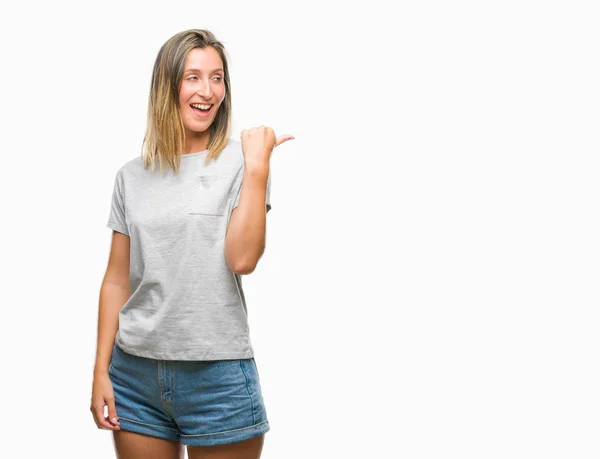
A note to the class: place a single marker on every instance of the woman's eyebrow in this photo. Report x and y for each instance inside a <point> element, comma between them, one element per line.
<point>200,71</point>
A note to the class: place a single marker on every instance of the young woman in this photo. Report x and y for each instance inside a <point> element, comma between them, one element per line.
<point>175,364</point>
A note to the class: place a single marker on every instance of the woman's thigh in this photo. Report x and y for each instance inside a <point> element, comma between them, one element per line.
<point>217,403</point>
<point>202,404</point>
<point>132,445</point>
<point>246,449</point>
<point>141,407</point>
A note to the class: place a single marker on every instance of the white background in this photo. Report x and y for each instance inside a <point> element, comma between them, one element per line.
<point>430,283</point>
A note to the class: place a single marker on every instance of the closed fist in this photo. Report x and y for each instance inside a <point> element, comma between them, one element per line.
<point>258,143</point>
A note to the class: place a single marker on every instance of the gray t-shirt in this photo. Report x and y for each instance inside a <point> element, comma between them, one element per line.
<point>185,303</point>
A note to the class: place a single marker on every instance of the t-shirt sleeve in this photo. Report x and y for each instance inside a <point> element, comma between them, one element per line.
<point>268,197</point>
<point>117,218</point>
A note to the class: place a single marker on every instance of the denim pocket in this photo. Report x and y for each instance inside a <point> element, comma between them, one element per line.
<point>254,390</point>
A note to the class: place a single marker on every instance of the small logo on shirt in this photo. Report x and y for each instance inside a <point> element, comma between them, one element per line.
<point>207,181</point>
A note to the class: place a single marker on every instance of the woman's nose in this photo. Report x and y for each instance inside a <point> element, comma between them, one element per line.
<point>204,91</point>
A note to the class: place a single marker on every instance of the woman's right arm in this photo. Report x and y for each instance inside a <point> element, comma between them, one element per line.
<point>114,293</point>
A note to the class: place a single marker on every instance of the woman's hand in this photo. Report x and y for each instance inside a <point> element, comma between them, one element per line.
<point>102,394</point>
<point>258,143</point>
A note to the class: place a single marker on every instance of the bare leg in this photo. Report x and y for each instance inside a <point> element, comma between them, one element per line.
<point>132,445</point>
<point>247,449</point>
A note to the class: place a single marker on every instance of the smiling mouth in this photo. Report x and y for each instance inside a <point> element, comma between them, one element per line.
<point>201,112</point>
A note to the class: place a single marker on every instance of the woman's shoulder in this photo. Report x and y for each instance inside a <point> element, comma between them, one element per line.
<point>233,151</point>
<point>132,163</point>
<point>130,168</point>
<point>230,159</point>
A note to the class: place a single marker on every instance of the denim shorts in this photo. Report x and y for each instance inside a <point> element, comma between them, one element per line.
<point>199,403</point>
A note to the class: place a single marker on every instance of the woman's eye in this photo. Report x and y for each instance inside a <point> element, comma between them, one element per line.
<point>219,78</point>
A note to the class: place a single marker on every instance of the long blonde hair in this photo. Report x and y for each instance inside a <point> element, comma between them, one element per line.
<point>165,134</point>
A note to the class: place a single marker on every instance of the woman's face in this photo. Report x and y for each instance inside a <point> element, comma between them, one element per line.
<point>203,83</point>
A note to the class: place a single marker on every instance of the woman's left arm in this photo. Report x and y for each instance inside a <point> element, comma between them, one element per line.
<point>245,237</point>
<point>246,230</point>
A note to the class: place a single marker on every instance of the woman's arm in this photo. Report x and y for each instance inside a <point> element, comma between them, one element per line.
<point>114,293</point>
<point>245,237</point>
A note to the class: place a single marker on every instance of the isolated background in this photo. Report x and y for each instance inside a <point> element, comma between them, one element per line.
<point>430,283</point>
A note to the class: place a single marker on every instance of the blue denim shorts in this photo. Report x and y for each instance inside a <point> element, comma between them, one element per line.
<point>199,403</point>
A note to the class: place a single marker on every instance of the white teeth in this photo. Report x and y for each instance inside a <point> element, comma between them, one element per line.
<point>203,107</point>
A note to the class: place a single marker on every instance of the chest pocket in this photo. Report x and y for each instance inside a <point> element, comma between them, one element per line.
<point>212,193</point>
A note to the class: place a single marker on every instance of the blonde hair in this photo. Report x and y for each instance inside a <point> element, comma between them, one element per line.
<point>165,134</point>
